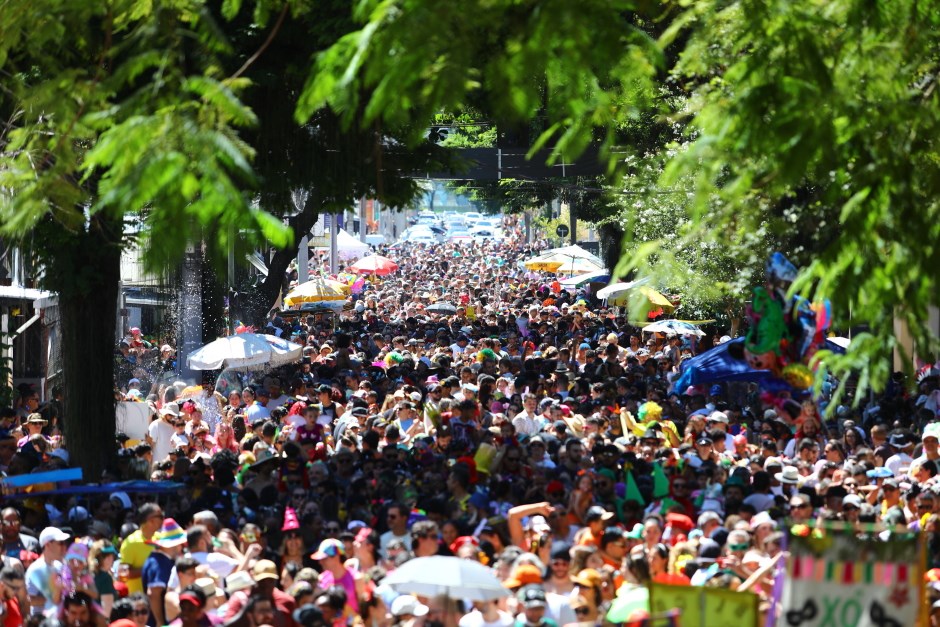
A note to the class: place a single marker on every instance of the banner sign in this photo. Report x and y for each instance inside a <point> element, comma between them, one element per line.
<point>839,578</point>
<point>705,607</point>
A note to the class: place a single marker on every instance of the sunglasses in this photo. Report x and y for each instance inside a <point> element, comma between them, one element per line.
<point>142,612</point>
<point>739,547</point>
<point>581,611</point>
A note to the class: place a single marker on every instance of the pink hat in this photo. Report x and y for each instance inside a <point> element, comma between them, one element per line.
<point>290,520</point>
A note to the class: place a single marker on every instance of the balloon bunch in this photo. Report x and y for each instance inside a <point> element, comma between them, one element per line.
<point>785,332</point>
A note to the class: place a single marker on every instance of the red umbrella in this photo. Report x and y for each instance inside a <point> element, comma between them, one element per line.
<point>374,264</point>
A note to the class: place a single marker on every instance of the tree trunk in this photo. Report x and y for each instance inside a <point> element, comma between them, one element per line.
<point>256,304</point>
<point>85,270</point>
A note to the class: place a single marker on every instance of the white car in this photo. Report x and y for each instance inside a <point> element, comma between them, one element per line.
<point>472,217</point>
<point>422,237</point>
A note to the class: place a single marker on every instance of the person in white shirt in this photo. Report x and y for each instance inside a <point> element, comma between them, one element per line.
<point>277,398</point>
<point>199,542</point>
<point>397,517</point>
<point>161,431</point>
<point>526,421</point>
<point>900,462</point>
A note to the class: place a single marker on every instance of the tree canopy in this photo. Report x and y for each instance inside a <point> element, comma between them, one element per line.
<point>813,122</point>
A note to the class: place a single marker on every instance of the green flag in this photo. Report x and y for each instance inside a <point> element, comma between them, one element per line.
<point>632,491</point>
<point>660,482</point>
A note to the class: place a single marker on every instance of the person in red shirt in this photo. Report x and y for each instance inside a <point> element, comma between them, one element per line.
<point>13,596</point>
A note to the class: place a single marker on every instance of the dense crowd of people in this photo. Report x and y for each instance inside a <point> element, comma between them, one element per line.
<point>532,430</point>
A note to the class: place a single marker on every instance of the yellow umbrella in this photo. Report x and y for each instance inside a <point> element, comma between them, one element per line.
<point>339,286</point>
<point>545,266</point>
<point>316,291</point>
<point>656,299</point>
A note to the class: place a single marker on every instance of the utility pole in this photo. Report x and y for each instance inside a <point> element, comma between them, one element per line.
<point>362,219</point>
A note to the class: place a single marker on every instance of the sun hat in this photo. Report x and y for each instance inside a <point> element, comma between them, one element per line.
<point>36,419</point>
<point>170,409</point>
<point>789,474</point>
<point>169,535</point>
<point>241,580</point>
<point>329,548</point>
<point>77,551</point>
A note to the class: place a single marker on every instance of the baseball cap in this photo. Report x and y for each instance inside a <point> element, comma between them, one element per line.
<point>596,511</point>
<point>852,500</point>
<point>329,548</point>
<point>407,604</point>
<point>194,595</point>
<point>523,575</point>
<point>265,569</point>
<point>52,534</point>
<point>532,596</point>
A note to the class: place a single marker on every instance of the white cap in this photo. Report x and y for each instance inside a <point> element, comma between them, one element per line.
<point>718,416</point>
<point>52,534</point>
<point>415,396</point>
<point>407,604</point>
<point>538,524</point>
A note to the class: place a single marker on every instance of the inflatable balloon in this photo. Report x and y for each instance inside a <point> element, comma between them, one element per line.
<point>762,344</point>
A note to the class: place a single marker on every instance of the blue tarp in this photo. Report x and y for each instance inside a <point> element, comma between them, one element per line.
<point>726,362</point>
<point>130,487</point>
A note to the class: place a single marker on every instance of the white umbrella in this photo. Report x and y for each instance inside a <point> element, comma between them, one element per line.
<point>450,577</point>
<point>619,289</point>
<point>598,276</point>
<point>244,350</point>
<point>673,327</point>
<point>577,252</point>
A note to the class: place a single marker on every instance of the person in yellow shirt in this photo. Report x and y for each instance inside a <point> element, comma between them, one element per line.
<point>136,548</point>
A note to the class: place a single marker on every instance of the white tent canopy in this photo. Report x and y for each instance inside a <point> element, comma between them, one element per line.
<point>347,246</point>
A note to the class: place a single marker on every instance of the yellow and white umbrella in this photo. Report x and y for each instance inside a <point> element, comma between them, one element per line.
<point>577,266</point>
<point>315,291</point>
<point>552,261</point>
